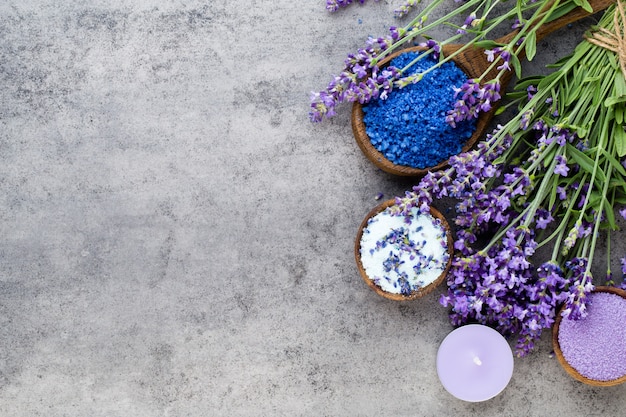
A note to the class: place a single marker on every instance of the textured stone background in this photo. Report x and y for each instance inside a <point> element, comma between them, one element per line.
<point>177,237</point>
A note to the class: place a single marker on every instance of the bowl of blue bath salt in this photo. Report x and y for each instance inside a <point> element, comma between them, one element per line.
<point>407,134</point>
<point>403,256</point>
<point>592,349</point>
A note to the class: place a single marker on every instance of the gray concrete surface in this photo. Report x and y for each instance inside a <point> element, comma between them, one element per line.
<point>177,237</point>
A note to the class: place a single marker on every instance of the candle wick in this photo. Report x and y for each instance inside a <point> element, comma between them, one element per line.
<point>477,361</point>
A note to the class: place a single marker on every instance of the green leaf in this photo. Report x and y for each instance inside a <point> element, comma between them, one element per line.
<point>620,84</point>
<point>610,215</point>
<point>585,5</point>
<point>614,162</point>
<point>589,79</point>
<point>590,218</point>
<point>531,45</point>
<point>597,96</point>
<point>619,97</point>
<point>548,79</point>
<point>499,160</point>
<point>618,184</point>
<point>582,131</point>
<point>549,158</point>
<point>619,136</point>
<point>620,200</point>
<point>500,110</point>
<point>552,198</point>
<point>525,82</point>
<point>585,163</point>
<point>517,66</point>
<point>594,199</point>
<point>612,101</point>
<point>619,114</point>
<point>581,85</point>
<point>561,11</point>
<point>572,93</point>
<point>561,61</point>
<point>612,60</point>
<point>486,44</point>
<point>609,115</point>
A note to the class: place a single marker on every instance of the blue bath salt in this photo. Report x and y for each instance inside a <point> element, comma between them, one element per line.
<point>409,128</point>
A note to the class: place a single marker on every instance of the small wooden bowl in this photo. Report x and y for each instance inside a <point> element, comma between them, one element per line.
<point>378,159</point>
<point>559,353</point>
<point>423,290</point>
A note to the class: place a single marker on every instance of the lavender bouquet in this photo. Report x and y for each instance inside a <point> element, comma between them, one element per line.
<point>474,22</point>
<point>552,177</point>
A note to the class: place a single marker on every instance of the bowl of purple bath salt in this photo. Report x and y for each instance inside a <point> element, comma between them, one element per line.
<point>593,349</point>
<point>407,134</point>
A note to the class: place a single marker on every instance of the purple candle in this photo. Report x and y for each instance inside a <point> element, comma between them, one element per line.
<point>474,363</point>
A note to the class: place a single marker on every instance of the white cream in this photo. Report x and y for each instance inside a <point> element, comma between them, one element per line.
<point>423,228</point>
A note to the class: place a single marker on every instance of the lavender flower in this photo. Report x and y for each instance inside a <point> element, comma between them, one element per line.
<point>405,8</point>
<point>472,99</point>
<point>434,46</point>
<point>544,219</point>
<point>334,5</point>
<point>500,53</point>
<point>561,166</point>
<point>575,304</point>
<point>469,22</point>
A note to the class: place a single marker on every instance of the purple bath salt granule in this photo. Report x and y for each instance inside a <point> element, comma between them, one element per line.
<point>596,345</point>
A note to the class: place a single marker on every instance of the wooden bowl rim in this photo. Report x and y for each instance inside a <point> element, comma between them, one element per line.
<point>559,353</point>
<point>379,160</point>
<point>414,294</point>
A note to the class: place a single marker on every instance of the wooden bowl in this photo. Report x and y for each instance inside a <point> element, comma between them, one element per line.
<point>421,291</point>
<point>378,159</point>
<point>559,353</point>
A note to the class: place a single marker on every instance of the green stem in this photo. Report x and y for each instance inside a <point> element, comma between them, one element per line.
<point>520,39</point>
<point>470,44</point>
<point>503,231</point>
<point>596,228</point>
<point>540,17</point>
<point>417,21</point>
<point>560,230</point>
<point>540,195</point>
